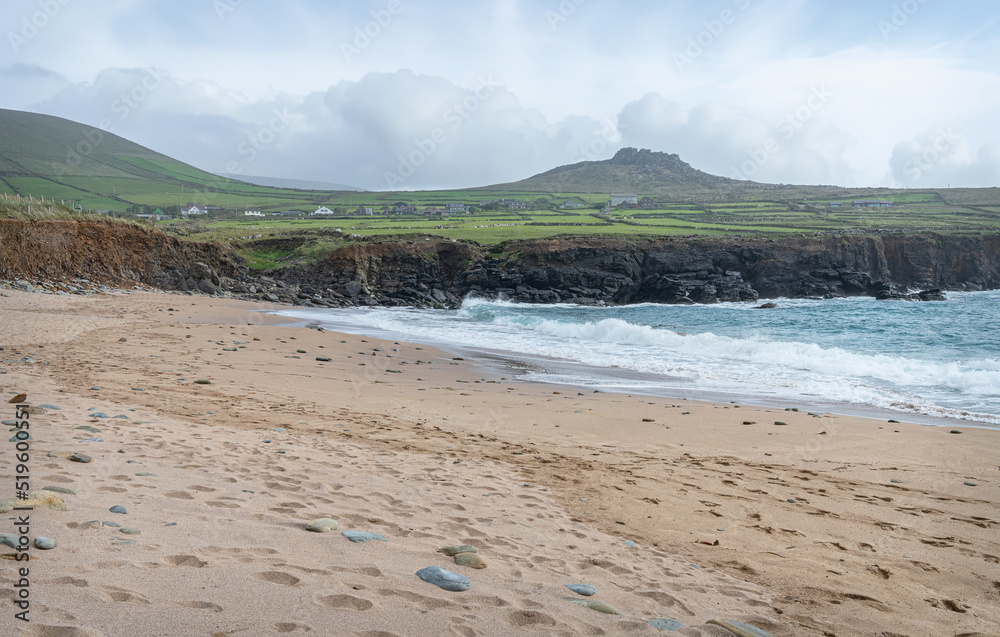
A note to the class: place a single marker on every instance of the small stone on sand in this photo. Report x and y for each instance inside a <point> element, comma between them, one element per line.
<point>81,457</point>
<point>666,624</point>
<point>452,551</point>
<point>322,525</point>
<point>595,604</point>
<point>118,509</point>
<point>45,543</point>
<point>471,560</point>
<point>127,530</point>
<point>361,536</point>
<point>582,589</point>
<point>444,579</point>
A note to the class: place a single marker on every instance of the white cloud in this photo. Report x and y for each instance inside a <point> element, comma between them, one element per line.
<point>565,86</point>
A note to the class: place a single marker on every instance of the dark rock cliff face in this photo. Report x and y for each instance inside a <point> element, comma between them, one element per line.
<point>584,270</point>
<point>589,271</point>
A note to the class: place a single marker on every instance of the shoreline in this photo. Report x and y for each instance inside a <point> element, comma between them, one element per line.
<point>834,524</point>
<point>548,371</point>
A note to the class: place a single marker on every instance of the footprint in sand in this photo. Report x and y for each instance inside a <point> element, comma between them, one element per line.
<point>215,608</point>
<point>277,577</point>
<point>180,495</point>
<point>288,627</point>
<point>345,602</point>
<point>184,560</point>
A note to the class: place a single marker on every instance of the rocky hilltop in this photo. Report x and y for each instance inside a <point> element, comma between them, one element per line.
<point>581,270</point>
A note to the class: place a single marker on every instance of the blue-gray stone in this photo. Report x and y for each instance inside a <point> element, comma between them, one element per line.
<point>361,536</point>
<point>10,423</point>
<point>48,406</point>
<point>118,509</point>
<point>114,524</point>
<point>120,417</point>
<point>95,389</point>
<point>15,438</point>
<point>45,543</point>
<point>10,539</point>
<point>92,440</point>
<point>146,475</point>
<point>666,624</point>
<point>89,429</point>
<point>629,543</point>
<point>582,589</point>
<point>98,414</point>
<point>445,579</point>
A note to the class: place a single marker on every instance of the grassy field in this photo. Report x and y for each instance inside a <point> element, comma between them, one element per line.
<point>257,238</point>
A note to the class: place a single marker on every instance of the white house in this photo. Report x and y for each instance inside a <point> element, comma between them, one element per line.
<point>322,210</point>
<point>456,207</point>
<point>194,210</point>
<point>253,213</point>
<point>618,198</point>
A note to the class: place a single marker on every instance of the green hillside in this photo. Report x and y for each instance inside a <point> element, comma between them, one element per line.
<point>52,157</point>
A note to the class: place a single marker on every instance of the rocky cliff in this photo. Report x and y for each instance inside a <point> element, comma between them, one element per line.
<point>620,271</point>
<point>582,270</point>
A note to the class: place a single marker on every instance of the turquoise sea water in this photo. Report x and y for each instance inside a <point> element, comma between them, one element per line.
<point>936,360</point>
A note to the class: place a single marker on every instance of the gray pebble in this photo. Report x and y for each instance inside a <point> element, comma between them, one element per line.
<point>45,543</point>
<point>582,589</point>
<point>444,579</point>
<point>361,536</point>
<point>118,509</point>
<point>98,414</point>
<point>48,406</point>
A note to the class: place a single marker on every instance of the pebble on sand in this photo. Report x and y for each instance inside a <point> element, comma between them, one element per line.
<point>361,536</point>
<point>739,628</point>
<point>81,457</point>
<point>45,543</point>
<point>118,509</point>
<point>128,530</point>
<point>10,539</point>
<point>582,589</point>
<point>322,525</point>
<point>444,579</point>
<point>471,560</point>
<point>452,551</point>
<point>595,604</point>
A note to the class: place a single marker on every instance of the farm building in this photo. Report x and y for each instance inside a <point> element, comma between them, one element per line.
<point>872,203</point>
<point>618,198</point>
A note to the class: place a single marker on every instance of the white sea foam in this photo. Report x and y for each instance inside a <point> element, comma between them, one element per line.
<point>747,361</point>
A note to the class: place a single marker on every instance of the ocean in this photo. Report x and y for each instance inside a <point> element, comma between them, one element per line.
<point>926,362</point>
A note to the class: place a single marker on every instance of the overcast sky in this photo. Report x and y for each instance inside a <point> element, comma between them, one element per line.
<point>423,94</point>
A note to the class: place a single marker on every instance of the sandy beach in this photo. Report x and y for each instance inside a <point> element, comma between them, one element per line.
<point>223,431</point>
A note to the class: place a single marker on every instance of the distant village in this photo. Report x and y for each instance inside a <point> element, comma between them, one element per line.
<point>621,201</point>
<point>615,201</point>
